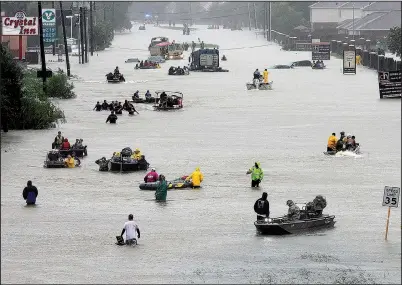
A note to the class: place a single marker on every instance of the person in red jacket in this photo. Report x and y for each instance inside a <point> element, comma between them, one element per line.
<point>65,145</point>
<point>152,176</point>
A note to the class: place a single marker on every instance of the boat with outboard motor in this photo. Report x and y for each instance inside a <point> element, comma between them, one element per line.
<point>115,78</point>
<point>179,183</point>
<point>282,226</point>
<point>123,162</point>
<point>54,159</point>
<point>310,219</point>
<point>178,71</point>
<point>168,100</point>
<point>318,67</point>
<point>345,152</point>
<point>261,85</point>
<point>75,150</point>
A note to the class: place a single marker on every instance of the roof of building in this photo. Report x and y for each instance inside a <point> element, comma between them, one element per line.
<point>328,5</point>
<point>383,6</point>
<point>356,5</point>
<point>344,23</point>
<point>383,23</point>
<point>363,21</point>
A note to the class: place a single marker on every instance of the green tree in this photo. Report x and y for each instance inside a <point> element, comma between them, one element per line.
<point>394,40</point>
<point>24,104</point>
<point>103,35</point>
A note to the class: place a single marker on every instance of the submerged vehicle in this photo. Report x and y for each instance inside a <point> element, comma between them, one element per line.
<point>115,78</point>
<point>206,60</point>
<point>160,49</point>
<point>158,40</point>
<point>261,85</point>
<point>156,59</point>
<point>282,66</point>
<point>147,67</point>
<point>141,28</point>
<point>55,160</point>
<point>175,51</point>
<point>179,183</point>
<point>130,60</point>
<point>310,219</point>
<point>302,63</point>
<point>172,101</point>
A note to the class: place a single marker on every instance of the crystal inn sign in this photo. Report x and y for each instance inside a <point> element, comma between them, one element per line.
<point>19,25</point>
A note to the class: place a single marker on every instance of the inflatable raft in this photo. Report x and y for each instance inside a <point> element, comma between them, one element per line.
<point>262,86</point>
<point>178,183</point>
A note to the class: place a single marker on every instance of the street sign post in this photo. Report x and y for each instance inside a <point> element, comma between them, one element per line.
<point>389,84</point>
<point>349,62</point>
<point>49,25</point>
<point>320,51</point>
<point>390,200</point>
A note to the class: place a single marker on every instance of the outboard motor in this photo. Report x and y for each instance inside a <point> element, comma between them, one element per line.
<point>126,152</point>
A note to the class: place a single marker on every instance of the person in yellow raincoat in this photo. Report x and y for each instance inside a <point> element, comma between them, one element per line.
<point>265,76</point>
<point>256,174</point>
<point>358,59</point>
<point>70,162</point>
<point>196,177</point>
<point>332,140</point>
<point>137,154</point>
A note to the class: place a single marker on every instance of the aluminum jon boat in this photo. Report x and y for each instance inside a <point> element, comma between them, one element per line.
<point>282,226</point>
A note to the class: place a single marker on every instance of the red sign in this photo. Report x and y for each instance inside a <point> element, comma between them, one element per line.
<point>20,25</point>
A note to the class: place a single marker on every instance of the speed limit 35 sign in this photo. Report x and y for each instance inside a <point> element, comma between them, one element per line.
<point>391,196</point>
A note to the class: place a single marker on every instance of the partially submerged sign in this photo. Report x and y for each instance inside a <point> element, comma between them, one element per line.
<point>391,196</point>
<point>19,25</point>
<point>320,51</point>
<point>389,83</point>
<point>349,62</point>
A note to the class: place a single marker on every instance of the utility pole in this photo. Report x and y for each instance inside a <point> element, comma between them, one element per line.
<point>94,11</point>
<point>42,47</point>
<point>265,19</point>
<point>249,17</point>
<point>82,34</point>
<point>353,5</point>
<point>113,15</point>
<point>54,43</point>
<point>85,34</point>
<point>65,38</point>
<point>269,22</point>
<point>104,11</point>
<point>255,16</point>
<point>91,26</point>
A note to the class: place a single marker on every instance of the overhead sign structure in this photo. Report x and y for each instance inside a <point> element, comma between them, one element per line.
<point>391,196</point>
<point>320,51</point>
<point>389,83</point>
<point>19,25</point>
<point>49,25</point>
<point>349,62</point>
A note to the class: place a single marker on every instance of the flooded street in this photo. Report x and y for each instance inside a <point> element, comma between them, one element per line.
<point>208,235</point>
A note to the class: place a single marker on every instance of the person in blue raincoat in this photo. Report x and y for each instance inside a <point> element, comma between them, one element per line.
<point>30,193</point>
